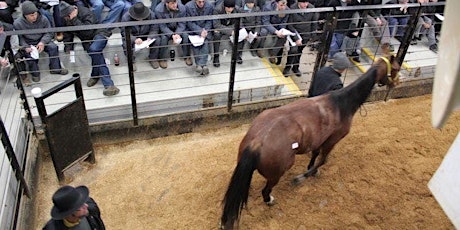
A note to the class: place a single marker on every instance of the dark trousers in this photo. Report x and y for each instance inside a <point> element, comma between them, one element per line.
<point>54,64</point>
<point>295,52</point>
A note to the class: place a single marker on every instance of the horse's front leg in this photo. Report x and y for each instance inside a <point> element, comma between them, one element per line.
<point>310,170</point>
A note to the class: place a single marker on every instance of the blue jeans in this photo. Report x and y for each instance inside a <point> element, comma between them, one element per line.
<point>100,68</point>
<point>201,53</point>
<point>336,44</point>
<point>401,22</point>
<point>115,13</point>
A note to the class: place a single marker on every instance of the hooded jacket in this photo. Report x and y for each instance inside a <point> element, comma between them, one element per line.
<point>21,23</point>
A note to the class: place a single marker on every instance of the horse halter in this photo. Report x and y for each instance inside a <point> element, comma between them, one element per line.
<point>389,78</point>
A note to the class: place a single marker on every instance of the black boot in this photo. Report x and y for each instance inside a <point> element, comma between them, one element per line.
<point>216,60</point>
<point>239,60</point>
<point>287,71</point>
<point>279,56</point>
<point>296,70</point>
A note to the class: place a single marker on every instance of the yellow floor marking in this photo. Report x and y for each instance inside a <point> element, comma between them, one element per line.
<point>358,64</point>
<point>280,79</point>
<point>369,53</point>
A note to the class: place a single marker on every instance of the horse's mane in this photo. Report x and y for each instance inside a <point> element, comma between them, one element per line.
<point>350,98</point>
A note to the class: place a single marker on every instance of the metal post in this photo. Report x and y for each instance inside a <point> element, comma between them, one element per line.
<point>410,30</point>
<point>24,101</point>
<point>231,84</point>
<point>13,160</point>
<point>321,57</point>
<point>132,86</point>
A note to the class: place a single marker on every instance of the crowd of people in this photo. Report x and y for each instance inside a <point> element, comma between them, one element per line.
<point>199,38</point>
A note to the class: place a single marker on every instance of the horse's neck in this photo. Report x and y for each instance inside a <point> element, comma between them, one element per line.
<point>350,98</point>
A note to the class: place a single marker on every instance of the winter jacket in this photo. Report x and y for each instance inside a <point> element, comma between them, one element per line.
<point>326,79</point>
<point>84,17</point>
<point>94,219</point>
<point>170,28</point>
<point>195,27</point>
<point>274,22</point>
<point>250,22</point>
<point>302,23</point>
<point>224,25</point>
<point>21,23</point>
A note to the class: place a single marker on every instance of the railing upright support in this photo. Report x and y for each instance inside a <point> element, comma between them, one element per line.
<point>132,85</point>
<point>231,85</point>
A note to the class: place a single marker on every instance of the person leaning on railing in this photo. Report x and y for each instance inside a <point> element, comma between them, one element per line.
<point>93,41</point>
<point>33,44</point>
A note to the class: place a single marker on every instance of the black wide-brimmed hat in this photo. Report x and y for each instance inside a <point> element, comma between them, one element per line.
<point>139,11</point>
<point>67,200</point>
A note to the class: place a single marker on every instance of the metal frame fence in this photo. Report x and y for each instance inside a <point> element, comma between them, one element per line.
<point>321,58</point>
<point>233,97</point>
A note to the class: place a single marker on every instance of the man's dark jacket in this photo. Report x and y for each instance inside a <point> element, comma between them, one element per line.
<point>93,218</point>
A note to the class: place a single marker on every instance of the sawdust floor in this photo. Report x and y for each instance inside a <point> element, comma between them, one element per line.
<point>375,178</point>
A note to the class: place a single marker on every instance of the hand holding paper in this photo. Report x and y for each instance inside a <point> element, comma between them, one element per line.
<point>196,40</point>
<point>243,34</point>
<point>143,45</point>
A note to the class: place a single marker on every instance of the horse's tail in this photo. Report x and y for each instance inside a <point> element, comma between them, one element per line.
<point>237,193</point>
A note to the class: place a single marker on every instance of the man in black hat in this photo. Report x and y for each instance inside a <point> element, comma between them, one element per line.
<point>74,209</point>
<point>141,33</point>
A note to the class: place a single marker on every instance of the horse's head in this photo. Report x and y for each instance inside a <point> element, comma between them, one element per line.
<point>388,68</point>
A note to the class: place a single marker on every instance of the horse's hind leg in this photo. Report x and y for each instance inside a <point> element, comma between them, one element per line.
<point>303,176</point>
<point>268,199</point>
<point>314,155</point>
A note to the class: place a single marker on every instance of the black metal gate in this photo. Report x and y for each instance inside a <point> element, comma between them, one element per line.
<point>67,129</point>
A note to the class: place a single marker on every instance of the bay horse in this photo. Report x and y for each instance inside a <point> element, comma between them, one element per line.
<point>310,124</point>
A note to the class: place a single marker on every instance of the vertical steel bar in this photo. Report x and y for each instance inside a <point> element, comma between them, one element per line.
<point>132,85</point>
<point>13,160</point>
<point>328,32</point>
<point>231,85</point>
<point>410,30</point>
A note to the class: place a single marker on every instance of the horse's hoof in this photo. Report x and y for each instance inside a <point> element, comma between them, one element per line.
<point>316,174</point>
<point>298,179</point>
<point>271,202</point>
